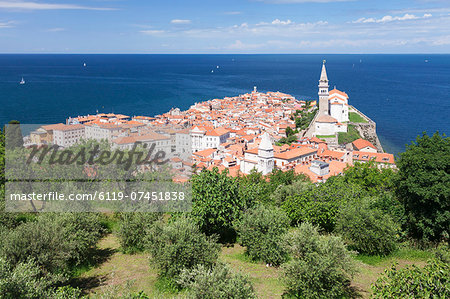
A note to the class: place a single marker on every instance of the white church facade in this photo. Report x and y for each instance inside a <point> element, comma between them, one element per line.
<point>333,108</point>
<point>261,159</point>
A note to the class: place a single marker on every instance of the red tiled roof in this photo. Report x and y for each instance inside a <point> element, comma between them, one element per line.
<point>294,153</point>
<point>362,143</point>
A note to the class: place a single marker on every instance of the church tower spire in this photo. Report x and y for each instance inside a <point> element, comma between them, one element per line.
<point>323,91</point>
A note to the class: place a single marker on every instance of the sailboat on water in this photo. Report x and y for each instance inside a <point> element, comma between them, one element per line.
<point>22,82</point>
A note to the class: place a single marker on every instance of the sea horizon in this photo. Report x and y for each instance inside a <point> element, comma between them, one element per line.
<point>391,89</point>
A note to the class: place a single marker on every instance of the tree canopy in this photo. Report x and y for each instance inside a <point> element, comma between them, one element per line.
<point>423,185</point>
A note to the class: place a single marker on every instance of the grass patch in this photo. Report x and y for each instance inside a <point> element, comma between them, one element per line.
<point>347,137</point>
<point>356,118</point>
<point>325,136</point>
<point>265,279</point>
<point>409,254</point>
<point>166,285</point>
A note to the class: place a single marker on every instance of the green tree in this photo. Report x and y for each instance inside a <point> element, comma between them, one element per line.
<point>423,185</point>
<point>289,132</point>
<point>279,195</point>
<point>179,245</point>
<point>321,266</point>
<point>261,230</point>
<point>216,282</point>
<point>370,177</point>
<point>13,134</point>
<point>320,204</point>
<point>367,230</point>
<point>253,188</point>
<point>216,203</point>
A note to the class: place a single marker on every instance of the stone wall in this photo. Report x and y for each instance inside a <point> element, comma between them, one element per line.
<point>368,130</point>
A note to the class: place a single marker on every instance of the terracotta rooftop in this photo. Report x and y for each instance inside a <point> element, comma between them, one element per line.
<point>362,143</point>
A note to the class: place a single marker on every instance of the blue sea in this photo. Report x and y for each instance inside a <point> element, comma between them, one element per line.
<point>404,94</point>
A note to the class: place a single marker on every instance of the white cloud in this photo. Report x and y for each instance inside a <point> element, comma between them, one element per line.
<point>232,13</point>
<point>23,5</point>
<point>388,18</point>
<point>8,24</point>
<point>278,22</point>
<point>56,29</point>
<point>152,32</point>
<point>178,21</point>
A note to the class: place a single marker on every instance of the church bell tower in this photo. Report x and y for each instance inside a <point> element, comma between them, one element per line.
<point>323,91</point>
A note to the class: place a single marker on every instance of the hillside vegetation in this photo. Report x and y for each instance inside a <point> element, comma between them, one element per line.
<point>250,237</point>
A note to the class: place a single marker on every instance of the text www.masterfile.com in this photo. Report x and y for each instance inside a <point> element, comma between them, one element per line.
<point>103,196</point>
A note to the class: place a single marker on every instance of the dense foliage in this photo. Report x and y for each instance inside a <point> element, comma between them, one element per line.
<point>24,280</point>
<point>370,177</point>
<point>424,187</point>
<point>367,230</point>
<point>261,231</point>
<point>132,230</point>
<point>279,195</point>
<point>320,204</point>
<point>57,242</point>
<point>303,118</point>
<point>431,281</point>
<point>179,245</point>
<point>216,203</point>
<point>321,266</point>
<point>216,282</point>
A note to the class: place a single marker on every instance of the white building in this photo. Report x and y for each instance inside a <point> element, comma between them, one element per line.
<point>67,135</point>
<point>161,142</point>
<point>338,105</point>
<point>297,155</point>
<point>261,159</point>
<point>183,146</point>
<point>203,138</point>
<point>327,125</point>
<point>102,131</point>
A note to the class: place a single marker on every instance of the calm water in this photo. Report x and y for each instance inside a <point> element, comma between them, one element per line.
<point>403,94</point>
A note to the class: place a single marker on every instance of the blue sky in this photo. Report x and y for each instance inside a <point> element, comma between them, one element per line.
<point>226,26</point>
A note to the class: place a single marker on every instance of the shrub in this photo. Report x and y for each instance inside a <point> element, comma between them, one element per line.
<point>132,228</point>
<point>216,282</point>
<point>321,266</point>
<point>55,241</point>
<point>81,230</point>
<point>46,243</point>
<point>431,281</point>
<point>367,230</point>
<point>65,292</point>
<point>25,280</point>
<point>261,231</point>
<point>180,245</point>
